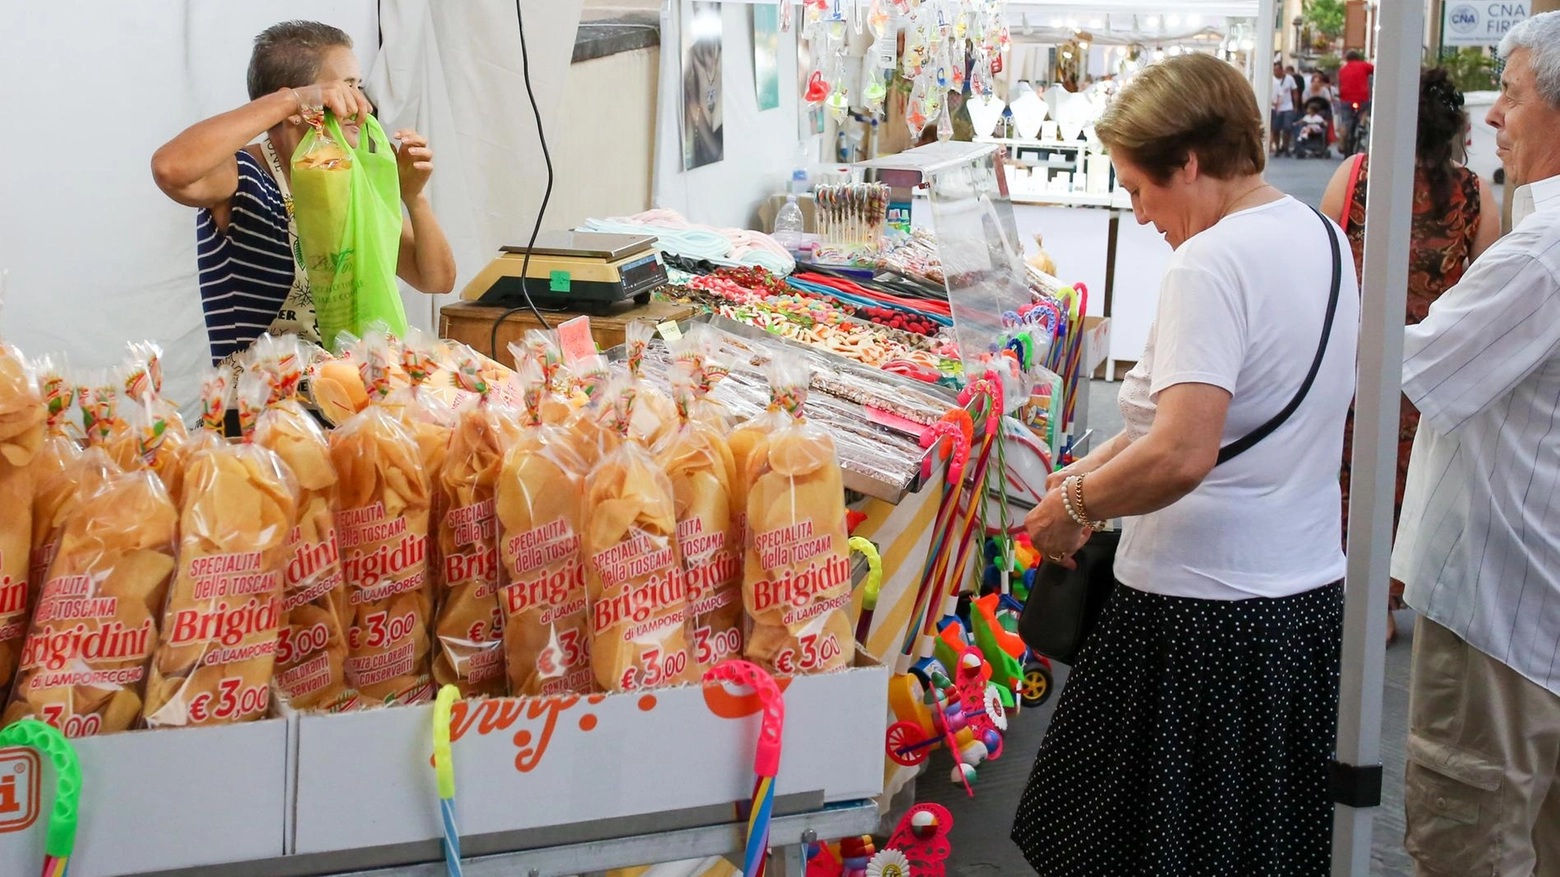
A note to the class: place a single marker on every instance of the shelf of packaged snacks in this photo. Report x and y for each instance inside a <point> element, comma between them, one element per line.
<point>544,783</point>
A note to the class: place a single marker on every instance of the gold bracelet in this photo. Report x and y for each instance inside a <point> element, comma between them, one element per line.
<point>1083,511</point>
<point>1067,504</point>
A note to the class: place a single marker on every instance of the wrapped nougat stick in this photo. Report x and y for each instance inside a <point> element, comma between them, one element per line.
<point>638,596</point>
<point>540,522</point>
<point>797,581</point>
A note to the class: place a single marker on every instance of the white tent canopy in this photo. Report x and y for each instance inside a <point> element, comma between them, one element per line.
<point>97,256</point>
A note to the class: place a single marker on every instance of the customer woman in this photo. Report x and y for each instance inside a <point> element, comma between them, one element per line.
<point>1455,219</point>
<point>1194,734</point>
<point>251,281</point>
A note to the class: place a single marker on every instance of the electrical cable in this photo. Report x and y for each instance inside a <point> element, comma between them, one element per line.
<point>525,264</point>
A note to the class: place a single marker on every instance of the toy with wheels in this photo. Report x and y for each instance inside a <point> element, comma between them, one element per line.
<point>967,715</point>
<point>994,619</point>
<point>1037,683</point>
<point>1004,651</point>
<point>985,718</point>
<point>909,744</point>
<point>953,640</point>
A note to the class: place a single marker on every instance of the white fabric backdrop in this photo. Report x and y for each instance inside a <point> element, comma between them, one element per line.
<point>97,256</point>
<point>452,70</point>
<point>761,147</point>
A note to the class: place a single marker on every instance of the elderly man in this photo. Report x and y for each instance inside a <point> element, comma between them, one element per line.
<point>1479,542</point>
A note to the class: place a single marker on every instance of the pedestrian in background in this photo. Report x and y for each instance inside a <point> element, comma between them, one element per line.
<point>1354,89</point>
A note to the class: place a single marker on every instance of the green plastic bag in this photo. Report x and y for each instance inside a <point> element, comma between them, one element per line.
<point>347,204</point>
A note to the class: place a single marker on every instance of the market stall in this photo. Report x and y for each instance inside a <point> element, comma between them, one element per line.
<point>707,566</point>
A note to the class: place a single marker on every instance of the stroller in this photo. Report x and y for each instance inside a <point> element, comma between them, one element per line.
<point>1309,141</point>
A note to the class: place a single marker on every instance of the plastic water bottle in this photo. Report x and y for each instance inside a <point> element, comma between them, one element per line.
<point>800,176</point>
<point>789,224</point>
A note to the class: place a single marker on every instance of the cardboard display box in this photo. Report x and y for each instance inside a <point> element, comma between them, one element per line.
<point>156,800</point>
<point>526,768</point>
<point>313,794</point>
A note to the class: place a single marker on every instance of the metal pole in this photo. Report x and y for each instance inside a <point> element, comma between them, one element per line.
<point>1394,106</point>
<point>1262,62</point>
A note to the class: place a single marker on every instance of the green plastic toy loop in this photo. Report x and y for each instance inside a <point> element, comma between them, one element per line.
<point>443,766</point>
<point>874,580</point>
<point>45,738</point>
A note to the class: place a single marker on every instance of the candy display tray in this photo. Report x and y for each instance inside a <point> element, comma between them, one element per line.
<point>877,461</point>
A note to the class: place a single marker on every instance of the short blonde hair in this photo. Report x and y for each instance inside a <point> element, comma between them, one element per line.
<point>1192,103</point>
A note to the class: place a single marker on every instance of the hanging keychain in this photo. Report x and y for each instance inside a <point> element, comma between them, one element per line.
<point>838,102</point>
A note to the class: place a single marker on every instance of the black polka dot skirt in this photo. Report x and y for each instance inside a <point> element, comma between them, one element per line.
<point>1191,740</point>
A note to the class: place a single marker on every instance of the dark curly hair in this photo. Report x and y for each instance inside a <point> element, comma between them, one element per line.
<point>1442,121</point>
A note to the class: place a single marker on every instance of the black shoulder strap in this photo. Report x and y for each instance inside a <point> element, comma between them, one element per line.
<point>1245,443</point>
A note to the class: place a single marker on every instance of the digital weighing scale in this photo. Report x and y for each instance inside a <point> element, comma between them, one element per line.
<point>573,271</point>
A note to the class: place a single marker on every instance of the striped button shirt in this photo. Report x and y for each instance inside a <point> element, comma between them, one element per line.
<point>245,275</point>
<point>1479,540</point>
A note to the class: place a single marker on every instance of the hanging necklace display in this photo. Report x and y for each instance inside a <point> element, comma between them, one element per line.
<point>949,45</point>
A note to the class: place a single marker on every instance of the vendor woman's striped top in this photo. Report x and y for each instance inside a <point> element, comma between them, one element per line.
<point>245,274</point>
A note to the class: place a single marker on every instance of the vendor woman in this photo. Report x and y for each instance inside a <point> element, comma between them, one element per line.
<point>251,281</point>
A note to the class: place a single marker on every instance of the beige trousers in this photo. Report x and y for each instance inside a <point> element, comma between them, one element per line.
<point>1483,752</point>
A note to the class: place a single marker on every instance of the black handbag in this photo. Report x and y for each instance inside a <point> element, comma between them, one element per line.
<point>1064,605</point>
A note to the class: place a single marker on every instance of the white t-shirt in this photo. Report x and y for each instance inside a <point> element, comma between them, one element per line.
<point>1241,307</point>
<point>1283,98</point>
